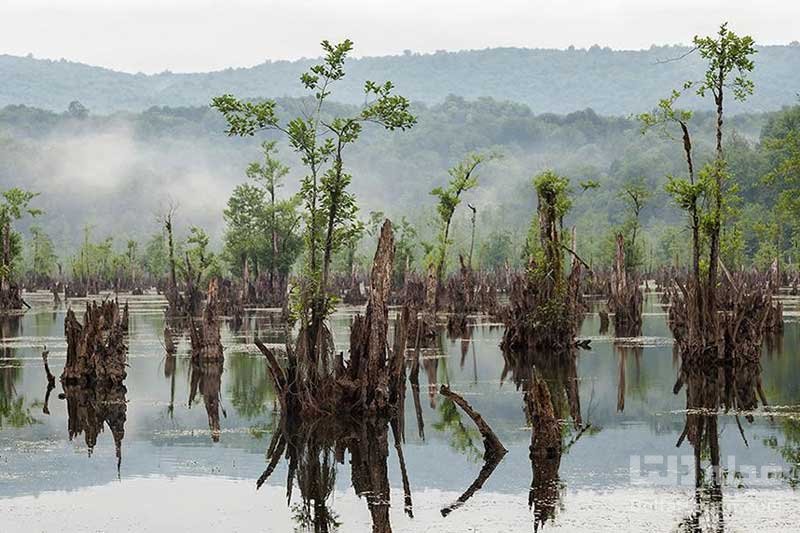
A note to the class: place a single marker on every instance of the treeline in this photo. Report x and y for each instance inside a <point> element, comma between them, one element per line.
<point>612,82</point>
<point>115,175</point>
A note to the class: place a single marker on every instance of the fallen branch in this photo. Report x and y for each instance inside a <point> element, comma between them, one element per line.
<point>491,443</point>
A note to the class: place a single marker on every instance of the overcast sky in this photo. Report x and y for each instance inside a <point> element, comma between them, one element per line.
<point>200,35</point>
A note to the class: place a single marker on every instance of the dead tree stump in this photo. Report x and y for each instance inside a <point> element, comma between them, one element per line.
<point>205,335</point>
<point>96,351</point>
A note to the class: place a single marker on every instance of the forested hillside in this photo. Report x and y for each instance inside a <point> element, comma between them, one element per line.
<point>558,81</point>
<point>115,172</point>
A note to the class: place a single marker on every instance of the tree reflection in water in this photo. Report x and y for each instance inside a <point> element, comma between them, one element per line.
<point>313,451</point>
<point>13,409</point>
<point>206,377</point>
<point>549,384</point>
<point>710,388</point>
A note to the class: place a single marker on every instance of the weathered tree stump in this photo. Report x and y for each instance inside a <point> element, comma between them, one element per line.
<point>204,335</point>
<point>96,351</point>
<point>625,301</point>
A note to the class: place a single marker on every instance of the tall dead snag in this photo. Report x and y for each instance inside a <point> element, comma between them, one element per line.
<point>96,351</point>
<point>626,297</point>
<point>370,380</point>
<point>544,308</point>
<point>205,336</point>
<point>368,365</point>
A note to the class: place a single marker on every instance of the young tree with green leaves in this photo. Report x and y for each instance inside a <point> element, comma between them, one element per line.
<point>262,228</point>
<point>330,209</point>
<point>405,247</point>
<point>280,216</point>
<point>706,196</point>
<point>462,179</point>
<point>42,263</point>
<point>687,192</point>
<point>14,204</point>
<point>635,195</point>
<point>729,63</point>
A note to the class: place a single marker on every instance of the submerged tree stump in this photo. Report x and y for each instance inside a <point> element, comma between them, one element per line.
<point>205,336</point>
<point>747,312</point>
<point>96,351</point>
<point>626,299</point>
<point>11,298</point>
<point>368,366</point>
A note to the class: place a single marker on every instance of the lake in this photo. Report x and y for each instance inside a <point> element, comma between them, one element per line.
<point>161,464</point>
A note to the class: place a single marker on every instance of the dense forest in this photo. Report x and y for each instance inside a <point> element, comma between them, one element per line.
<point>113,175</point>
<point>612,82</point>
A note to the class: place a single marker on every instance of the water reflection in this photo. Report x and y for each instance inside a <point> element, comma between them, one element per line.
<point>206,378</point>
<point>90,409</point>
<point>570,474</point>
<point>14,411</point>
<point>709,389</point>
<point>551,399</point>
<point>313,451</point>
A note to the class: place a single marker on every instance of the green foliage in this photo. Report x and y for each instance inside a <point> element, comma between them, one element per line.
<point>14,204</point>
<point>203,264</point>
<point>726,54</point>
<point>261,228</point>
<point>42,260</point>
<point>635,194</point>
<point>156,256</point>
<point>330,209</point>
<point>462,438</point>
<point>405,244</point>
<point>548,184</point>
<point>462,179</point>
<point>496,249</point>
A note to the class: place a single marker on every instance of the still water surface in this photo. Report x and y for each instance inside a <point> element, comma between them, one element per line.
<point>166,469</point>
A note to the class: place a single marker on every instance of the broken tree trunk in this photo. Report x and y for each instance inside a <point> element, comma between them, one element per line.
<point>368,340</point>
<point>96,351</point>
<point>205,336</point>
<point>626,298</point>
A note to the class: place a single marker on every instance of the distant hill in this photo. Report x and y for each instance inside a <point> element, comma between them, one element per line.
<point>557,81</point>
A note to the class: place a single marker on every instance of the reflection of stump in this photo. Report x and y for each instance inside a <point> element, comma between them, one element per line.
<point>88,409</point>
<point>603,322</point>
<point>545,451</point>
<point>206,378</point>
<point>370,473</point>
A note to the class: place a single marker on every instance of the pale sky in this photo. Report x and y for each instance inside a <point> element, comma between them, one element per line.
<point>201,35</point>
